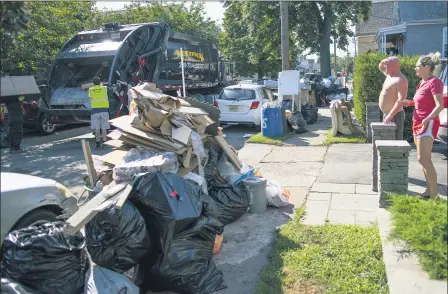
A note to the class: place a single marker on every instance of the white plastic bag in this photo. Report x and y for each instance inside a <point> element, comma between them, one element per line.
<point>274,194</point>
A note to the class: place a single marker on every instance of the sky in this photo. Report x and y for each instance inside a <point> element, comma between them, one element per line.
<point>215,11</point>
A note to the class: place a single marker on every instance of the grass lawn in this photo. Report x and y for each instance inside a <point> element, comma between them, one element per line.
<point>422,224</point>
<point>325,259</point>
<point>343,139</point>
<point>259,139</point>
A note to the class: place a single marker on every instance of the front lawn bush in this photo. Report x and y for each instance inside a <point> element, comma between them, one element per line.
<point>368,81</point>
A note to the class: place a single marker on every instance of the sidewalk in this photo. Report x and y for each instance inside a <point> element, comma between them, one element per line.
<point>334,184</point>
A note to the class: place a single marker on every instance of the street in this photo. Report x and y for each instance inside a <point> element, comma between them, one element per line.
<point>60,157</point>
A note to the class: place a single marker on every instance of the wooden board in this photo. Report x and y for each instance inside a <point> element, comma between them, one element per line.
<point>187,157</point>
<point>123,196</point>
<point>89,162</point>
<point>229,152</point>
<point>115,157</point>
<point>88,211</point>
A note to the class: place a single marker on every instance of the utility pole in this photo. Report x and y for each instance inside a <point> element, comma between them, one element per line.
<point>284,34</point>
<point>334,44</point>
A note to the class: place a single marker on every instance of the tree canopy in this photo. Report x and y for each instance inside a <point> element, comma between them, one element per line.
<point>252,31</point>
<point>251,37</point>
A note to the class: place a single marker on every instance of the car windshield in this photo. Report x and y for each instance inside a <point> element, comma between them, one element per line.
<point>237,94</point>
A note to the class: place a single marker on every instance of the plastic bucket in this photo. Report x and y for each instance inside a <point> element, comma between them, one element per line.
<point>256,188</point>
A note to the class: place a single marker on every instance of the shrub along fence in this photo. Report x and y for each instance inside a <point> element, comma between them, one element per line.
<point>368,81</point>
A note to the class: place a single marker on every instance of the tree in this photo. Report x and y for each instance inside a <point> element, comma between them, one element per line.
<point>343,63</point>
<point>316,23</point>
<point>50,25</point>
<point>181,18</point>
<point>251,37</point>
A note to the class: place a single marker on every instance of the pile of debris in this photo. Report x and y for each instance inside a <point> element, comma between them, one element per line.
<point>170,186</point>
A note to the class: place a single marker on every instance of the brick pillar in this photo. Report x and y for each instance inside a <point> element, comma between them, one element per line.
<point>373,114</point>
<point>393,168</point>
<point>380,131</point>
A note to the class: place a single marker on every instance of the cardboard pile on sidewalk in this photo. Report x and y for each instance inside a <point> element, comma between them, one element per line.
<point>158,219</point>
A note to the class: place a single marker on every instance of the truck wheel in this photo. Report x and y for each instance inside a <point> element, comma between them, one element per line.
<point>35,217</point>
<point>44,127</point>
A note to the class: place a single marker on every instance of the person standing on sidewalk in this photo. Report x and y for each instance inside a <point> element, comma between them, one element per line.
<point>395,89</point>
<point>15,121</point>
<point>428,103</point>
<point>99,119</point>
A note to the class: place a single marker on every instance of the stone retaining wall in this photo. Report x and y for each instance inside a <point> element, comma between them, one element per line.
<point>380,131</point>
<point>373,114</point>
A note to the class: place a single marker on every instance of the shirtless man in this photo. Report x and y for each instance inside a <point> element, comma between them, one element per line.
<point>395,88</point>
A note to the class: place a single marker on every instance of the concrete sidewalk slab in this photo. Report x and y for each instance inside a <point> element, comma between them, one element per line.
<point>290,175</point>
<point>358,202</point>
<point>316,212</point>
<point>404,274</point>
<point>252,154</point>
<point>296,154</point>
<point>342,217</point>
<point>317,133</point>
<point>347,164</point>
<point>333,188</point>
<point>318,196</point>
<point>364,189</point>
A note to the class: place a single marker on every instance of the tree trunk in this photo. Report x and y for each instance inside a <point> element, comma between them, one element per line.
<point>260,72</point>
<point>324,41</point>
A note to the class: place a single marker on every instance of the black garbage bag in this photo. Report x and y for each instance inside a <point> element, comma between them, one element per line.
<point>209,207</point>
<point>309,113</point>
<point>166,205</point>
<point>232,201</point>
<point>297,123</point>
<point>11,287</point>
<point>188,266</point>
<point>45,259</point>
<point>103,281</point>
<point>211,168</point>
<point>117,239</point>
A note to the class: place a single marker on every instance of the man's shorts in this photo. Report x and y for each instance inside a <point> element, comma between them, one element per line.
<point>398,119</point>
<point>100,120</point>
<point>431,129</point>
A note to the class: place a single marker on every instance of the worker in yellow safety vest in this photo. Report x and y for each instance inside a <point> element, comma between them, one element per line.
<point>99,119</point>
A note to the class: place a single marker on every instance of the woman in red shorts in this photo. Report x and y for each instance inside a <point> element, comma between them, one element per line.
<point>428,104</point>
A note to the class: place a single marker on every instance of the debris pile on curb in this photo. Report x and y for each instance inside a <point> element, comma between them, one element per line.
<point>155,215</point>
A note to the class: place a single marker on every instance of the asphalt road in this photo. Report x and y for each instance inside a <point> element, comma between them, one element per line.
<point>60,157</point>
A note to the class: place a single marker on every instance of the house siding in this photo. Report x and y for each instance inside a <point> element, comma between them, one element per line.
<point>366,43</point>
<point>423,39</point>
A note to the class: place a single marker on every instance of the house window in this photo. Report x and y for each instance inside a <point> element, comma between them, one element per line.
<point>445,43</point>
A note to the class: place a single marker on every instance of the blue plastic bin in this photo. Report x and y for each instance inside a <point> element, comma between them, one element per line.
<point>273,122</point>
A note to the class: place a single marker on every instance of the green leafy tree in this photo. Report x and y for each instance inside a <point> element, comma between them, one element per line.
<point>251,37</point>
<point>317,23</point>
<point>50,25</point>
<point>188,19</point>
<point>343,63</point>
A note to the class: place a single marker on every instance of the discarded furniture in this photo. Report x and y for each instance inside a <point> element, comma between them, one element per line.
<point>341,120</point>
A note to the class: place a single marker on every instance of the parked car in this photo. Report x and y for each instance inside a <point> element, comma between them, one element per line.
<point>442,135</point>
<point>241,104</point>
<point>33,116</point>
<point>28,200</point>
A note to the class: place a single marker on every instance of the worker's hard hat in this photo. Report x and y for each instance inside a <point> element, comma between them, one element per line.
<point>96,80</point>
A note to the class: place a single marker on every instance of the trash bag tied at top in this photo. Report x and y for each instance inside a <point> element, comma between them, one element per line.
<point>166,205</point>
<point>45,259</point>
<point>117,239</point>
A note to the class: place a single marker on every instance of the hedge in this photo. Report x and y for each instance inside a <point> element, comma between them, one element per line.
<point>368,81</point>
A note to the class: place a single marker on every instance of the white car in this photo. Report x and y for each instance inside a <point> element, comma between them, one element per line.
<point>241,104</point>
<point>27,200</point>
<point>442,135</point>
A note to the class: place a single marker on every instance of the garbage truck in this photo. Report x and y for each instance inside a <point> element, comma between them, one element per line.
<point>124,55</point>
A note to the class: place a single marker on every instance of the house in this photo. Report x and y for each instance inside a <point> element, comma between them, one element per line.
<point>405,27</point>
